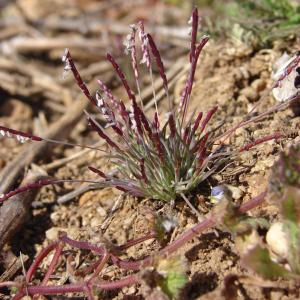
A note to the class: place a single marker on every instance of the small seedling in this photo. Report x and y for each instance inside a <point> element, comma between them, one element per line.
<point>280,257</point>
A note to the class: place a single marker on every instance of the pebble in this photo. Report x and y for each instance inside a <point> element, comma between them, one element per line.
<point>52,233</point>
<point>259,85</point>
<point>250,93</point>
<point>101,211</point>
<point>96,222</point>
<point>236,192</point>
<point>277,240</point>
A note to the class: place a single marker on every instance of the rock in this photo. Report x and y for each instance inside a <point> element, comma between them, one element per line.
<point>277,240</point>
<point>236,192</point>
<point>250,93</point>
<point>52,233</point>
<point>258,85</point>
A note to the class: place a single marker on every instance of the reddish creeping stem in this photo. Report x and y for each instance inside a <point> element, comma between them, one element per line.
<point>87,287</point>
<point>270,137</point>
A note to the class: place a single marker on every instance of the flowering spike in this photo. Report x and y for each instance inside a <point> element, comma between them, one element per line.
<point>208,116</point>
<point>97,127</point>
<point>197,121</point>
<point>109,115</point>
<point>144,44</point>
<point>19,135</point>
<point>159,63</point>
<point>98,172</point>
<point>195,21</point>
<point>143,171</point>
<point>144,121</point>
<point>108,93</point>
<point>122,77</point>
<point>67,59</point>
<point>172,125</point>
<point>132,49</point>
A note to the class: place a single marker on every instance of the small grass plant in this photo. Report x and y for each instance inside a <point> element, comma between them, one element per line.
<point>155,159</point>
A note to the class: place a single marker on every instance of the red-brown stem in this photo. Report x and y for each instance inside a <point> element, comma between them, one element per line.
<point>100,266</point>
<point>80,287</point>
<point>292,65</point>
<point>39,259</point>
<point>270,137</point>
<point>53,263</point>
<point>82,245</point>
<point>139,240</point>
<point>189,82</point>
<point>186,237</point>
<point>101,133</point>
<point>134,265</point>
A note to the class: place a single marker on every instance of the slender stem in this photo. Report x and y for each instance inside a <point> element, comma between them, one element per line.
<point>99,268</point>
<point>86,287</point>
<point>133,242</point>
<point>39,259</point>
<point>53,263</point>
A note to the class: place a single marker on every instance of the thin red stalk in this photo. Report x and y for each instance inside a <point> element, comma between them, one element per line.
<point>144,121</point>
<point>51,290</point>
<point>82,245</point>
<point>270,137</point>
<point>29,187</point>
<point>42,254</point>
<point>130,280</point>
<point>79,287</point>
<point>24,136</point>
<point>139,240</point>
<point>134,265</point>
<point>187,236</point>
<point>100,266</point>
<point>71,66</point>
<point>53,263</point>
<point>189,83</point>
<point>101,133</point>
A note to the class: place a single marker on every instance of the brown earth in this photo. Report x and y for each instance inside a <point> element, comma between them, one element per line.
<point>233,77</point>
